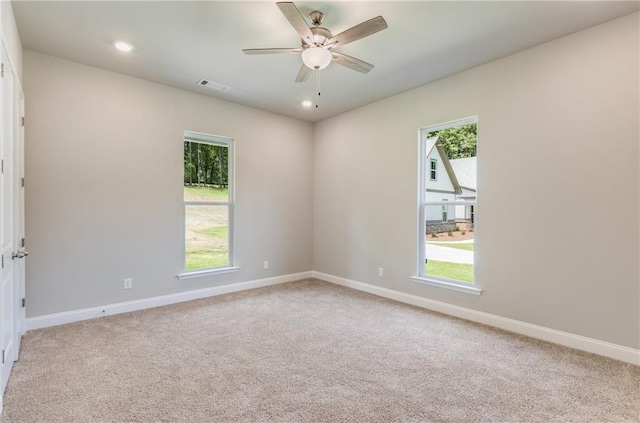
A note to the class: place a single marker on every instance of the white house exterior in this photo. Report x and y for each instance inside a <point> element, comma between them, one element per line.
<point>448,180</point>
<point>442,185</point>
<point>465,171</point>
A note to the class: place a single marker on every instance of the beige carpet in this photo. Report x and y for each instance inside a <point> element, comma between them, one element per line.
<point>308,351</point>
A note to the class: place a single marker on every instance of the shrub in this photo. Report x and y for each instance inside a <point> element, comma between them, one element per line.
<point>449,233</point>
<point>434,234</point>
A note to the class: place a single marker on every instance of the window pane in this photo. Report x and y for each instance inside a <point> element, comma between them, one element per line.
<point>206,170</point>
<point>207,236</point>
<point>449,228</point>
<point>449,242</point>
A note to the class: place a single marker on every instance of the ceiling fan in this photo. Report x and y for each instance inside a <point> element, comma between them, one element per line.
<point>317,49</point>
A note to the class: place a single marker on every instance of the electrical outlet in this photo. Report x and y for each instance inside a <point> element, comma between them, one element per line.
<point>128,283</point>
<point>265,265</point>
<point>380,271</point>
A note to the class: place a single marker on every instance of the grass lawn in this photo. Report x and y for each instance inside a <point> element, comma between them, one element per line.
<point>201,259</point>
<point>193,193</point>
<point>214,251</point>
<point>220,232</point>
<point>456,271</point>
<point>207,228</point>
<point>468,246</point>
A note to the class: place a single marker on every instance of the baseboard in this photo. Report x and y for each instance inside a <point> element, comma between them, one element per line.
<point>618,352</point>
<point>128,306</point>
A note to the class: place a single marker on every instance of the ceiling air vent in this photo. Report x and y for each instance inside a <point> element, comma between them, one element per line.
<point>213,85</point>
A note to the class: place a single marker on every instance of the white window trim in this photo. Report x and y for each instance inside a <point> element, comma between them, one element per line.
<point>201,273</point>
<point>420,277</point>
<point>447,283</point>
<point>230,144</point>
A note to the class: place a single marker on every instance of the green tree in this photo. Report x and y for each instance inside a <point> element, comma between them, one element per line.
<point>190,167</point>
<point>206,164</point>
<point>206,157</point>
<point>217,166</point>
<point>458,142</point>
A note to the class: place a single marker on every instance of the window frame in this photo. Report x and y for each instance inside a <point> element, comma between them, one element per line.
<point>433,170</point>
<point>229,143</point>
<point>420,275</point>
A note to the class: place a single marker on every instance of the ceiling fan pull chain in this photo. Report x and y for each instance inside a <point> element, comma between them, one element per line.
<point>317,87</point>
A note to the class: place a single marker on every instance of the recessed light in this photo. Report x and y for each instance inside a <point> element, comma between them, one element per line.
<point>307,103</point>
<point>123,46</point>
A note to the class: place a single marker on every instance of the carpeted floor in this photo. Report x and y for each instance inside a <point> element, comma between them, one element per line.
<point>308,351</point>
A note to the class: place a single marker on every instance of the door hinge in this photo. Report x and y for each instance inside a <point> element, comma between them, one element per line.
<point>22,182</point>
<point>2,71</point>
<point>3,166</point>
<point>2,356</point>
<point>23,302</point>
<point>3,261</point>
<point>22,121</point>
<point>22,242</point>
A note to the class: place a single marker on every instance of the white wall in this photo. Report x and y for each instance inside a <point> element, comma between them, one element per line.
<point>10,37</point>
<point>104,186</point>
<point>549,119</point>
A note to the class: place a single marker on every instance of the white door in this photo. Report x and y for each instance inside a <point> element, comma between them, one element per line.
<point>7,331</point>
<point>19,320</point>
<point>11,220</point>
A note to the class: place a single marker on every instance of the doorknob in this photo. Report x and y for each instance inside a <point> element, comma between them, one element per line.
<point>19,254</point>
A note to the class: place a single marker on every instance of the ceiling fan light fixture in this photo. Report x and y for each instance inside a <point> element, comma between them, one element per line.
<point>316,58</point>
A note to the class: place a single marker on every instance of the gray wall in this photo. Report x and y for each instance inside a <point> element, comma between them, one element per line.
<point>104,186</point>
<point>558,139</point>
<point>104,197</point>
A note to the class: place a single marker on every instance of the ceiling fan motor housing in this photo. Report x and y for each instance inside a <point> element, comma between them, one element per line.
<point>320,35</point>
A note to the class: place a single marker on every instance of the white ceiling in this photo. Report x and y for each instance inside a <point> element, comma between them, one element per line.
<point>179,43</point>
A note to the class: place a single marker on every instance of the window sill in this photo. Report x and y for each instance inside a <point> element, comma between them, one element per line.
<point>441,283</point>
<point>206,272</point>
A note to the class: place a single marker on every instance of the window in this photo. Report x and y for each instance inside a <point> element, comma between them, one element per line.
<point>208,202</point>
<point>444,211</point>
<point>434,170</point>
<point>447,205</point>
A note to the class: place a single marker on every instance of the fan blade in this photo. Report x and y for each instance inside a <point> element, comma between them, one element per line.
<point>359,31</point>
<point>303,74</point>
<point>295,18</point>
<point>270,50</point>
<point>351,62</point>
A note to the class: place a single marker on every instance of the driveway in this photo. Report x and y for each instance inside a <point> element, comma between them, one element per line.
<point>452,255</point>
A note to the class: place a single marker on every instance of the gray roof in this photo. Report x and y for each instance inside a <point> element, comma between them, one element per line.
<point>465,170</point>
